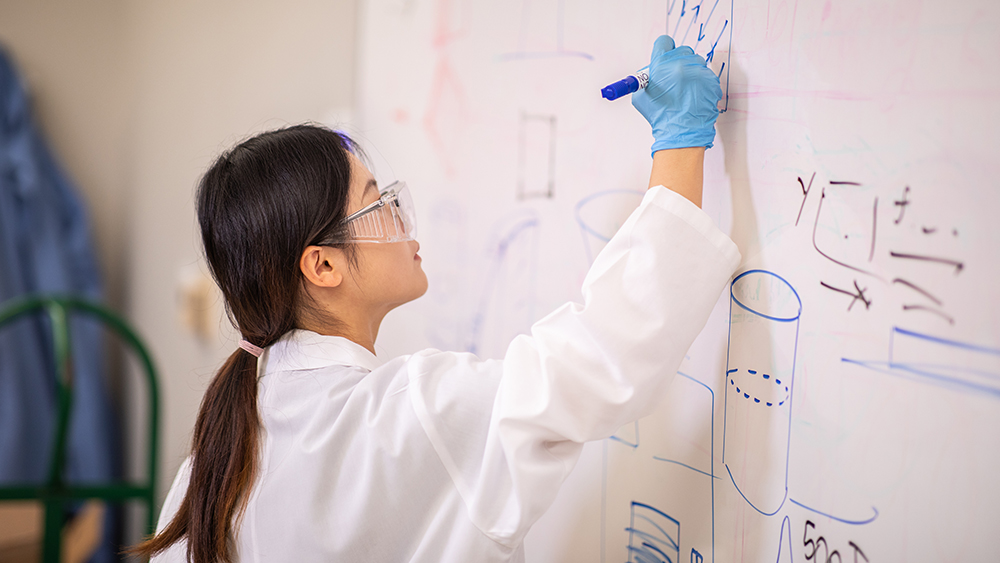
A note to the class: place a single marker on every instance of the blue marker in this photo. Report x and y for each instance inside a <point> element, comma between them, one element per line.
<point>628,85</point>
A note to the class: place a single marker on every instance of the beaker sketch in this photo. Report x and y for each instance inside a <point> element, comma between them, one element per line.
<point>507,304</point>
<point>760,367</point>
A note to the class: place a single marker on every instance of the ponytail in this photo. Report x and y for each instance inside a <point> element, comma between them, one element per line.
<point>224,466</point>
<point>259,206</point>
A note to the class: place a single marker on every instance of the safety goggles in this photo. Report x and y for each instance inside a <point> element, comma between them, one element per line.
<point>392,218</point>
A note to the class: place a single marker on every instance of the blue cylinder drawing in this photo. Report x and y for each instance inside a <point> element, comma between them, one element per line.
<point>760,370</point>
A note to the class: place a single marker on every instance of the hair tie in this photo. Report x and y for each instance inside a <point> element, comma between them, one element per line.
<point>255,350</point>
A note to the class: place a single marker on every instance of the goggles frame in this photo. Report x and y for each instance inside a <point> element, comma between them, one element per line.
<point>390,218</point>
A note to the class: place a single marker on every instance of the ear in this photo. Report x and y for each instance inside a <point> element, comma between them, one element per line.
<point>323,266</point>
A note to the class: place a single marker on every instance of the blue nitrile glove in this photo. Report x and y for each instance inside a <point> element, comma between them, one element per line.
<point>681,100</point>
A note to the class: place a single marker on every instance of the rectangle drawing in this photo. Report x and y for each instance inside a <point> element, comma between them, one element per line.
<point>536,157</point>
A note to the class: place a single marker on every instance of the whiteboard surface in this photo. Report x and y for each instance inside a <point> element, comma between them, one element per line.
<point>854,167</point>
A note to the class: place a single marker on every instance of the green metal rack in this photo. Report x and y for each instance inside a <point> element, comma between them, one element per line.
<point>55,493</point>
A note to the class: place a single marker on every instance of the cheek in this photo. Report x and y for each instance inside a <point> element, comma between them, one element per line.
<point>390,265</point>
<point>387,265</point>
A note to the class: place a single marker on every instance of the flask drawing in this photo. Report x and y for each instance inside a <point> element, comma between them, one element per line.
<point>764,311</point>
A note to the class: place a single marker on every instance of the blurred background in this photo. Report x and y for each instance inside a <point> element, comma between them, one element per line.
<point>134,99</point>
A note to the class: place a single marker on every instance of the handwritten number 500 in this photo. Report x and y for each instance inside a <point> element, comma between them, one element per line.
<point>812,548</point>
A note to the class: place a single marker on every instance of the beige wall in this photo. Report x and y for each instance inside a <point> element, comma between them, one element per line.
<point>137,98</point>
<point>71,55</point>
<point>207,74</point>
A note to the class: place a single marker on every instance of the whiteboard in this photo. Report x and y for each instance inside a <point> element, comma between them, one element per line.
<point>843,402</point>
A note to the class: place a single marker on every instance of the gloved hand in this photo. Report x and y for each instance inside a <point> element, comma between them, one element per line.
<point>681,100</point>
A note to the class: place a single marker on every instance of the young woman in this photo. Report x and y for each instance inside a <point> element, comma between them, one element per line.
<point>308,447</point>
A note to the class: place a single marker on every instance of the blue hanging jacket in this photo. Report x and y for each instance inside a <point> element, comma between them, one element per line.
<point>45,247</point>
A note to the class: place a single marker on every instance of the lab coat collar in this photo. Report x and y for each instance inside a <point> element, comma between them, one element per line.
<point>304,349</point>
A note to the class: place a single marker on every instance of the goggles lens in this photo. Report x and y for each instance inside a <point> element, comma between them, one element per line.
<point>390,219</point>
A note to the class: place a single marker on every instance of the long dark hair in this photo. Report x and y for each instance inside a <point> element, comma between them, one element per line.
<point>259,206</point>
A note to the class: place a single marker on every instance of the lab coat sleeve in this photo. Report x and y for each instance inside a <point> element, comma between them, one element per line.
<point>584,370</point>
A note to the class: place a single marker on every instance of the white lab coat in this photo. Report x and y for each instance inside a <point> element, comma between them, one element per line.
<point>443,457</point>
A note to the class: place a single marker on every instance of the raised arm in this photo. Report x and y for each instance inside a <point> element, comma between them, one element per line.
<point>586,369</point>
